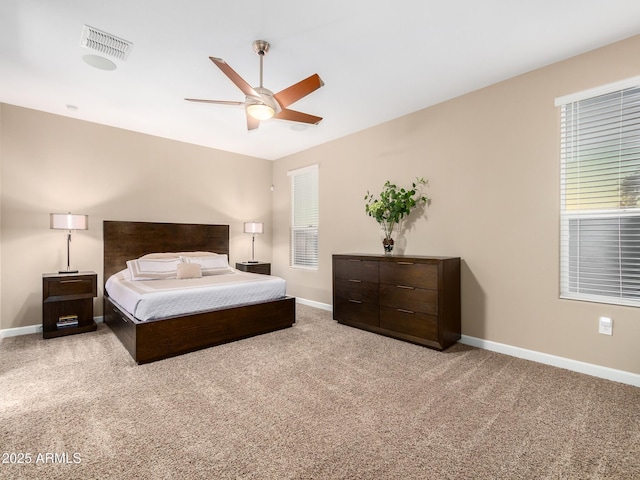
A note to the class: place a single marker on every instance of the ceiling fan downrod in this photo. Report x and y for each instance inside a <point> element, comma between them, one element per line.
<point>261,47</point>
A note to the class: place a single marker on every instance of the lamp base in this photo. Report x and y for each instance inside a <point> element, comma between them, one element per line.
<point>252,261</point>
<point>67,271</point>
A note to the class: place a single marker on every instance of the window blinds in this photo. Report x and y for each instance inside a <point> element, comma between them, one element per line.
<point>304,217</point>
<point>600,198</point>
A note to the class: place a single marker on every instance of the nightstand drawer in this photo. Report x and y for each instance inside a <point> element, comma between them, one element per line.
<point>260,267</point>
<point>55,288</point>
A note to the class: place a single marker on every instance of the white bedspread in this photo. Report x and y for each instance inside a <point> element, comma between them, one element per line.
<point>153,299</point>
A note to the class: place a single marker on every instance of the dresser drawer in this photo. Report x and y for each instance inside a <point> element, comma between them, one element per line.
<point>354,311</point>
<point>420,275</point>
<point>356,290</point>
<point>60,287</point>
<point>415,324</point>
<point>409,298</point>
<point>353,269</point>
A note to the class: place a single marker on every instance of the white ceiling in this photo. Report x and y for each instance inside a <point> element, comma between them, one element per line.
<point>379,59</point>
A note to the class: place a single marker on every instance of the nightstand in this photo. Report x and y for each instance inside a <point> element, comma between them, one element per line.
<point>67,303</point>
<point>257,267</point>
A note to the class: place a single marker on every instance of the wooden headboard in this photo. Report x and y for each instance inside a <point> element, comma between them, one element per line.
<point>129,240</point>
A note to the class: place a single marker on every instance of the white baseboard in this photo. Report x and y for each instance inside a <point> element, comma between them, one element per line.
<point>14,332</point>
<point>311,303</point>
<point>574,365</point>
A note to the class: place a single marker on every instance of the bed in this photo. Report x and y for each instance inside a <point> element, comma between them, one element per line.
<point>158,338</point>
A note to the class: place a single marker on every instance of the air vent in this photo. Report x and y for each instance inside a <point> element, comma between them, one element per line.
<point>105,43</point>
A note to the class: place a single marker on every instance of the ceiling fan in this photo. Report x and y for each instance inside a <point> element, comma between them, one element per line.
<point>261,103</point>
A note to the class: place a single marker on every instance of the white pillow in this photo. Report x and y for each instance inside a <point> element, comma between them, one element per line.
<point>160,256</point>
<point>153,268</point>
<point>164,255</point>
<point>199,254</point>
<point>211,264</point>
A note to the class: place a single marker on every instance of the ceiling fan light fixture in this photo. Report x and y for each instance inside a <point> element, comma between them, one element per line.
<point>260,111</point>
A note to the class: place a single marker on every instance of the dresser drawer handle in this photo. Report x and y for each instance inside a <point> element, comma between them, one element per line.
<point>355,301</point>
<point>406,263</point>
<point>355,281</point>
<point>402,310</point>
<point>406,287</point>
<point>353,260</point>
<point>71,281</point>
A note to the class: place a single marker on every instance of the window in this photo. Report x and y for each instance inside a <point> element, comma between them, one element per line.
<point>304,217</point>
<point>600,196</point>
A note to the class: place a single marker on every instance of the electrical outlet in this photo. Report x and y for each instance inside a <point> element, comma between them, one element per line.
<point>605,326</point>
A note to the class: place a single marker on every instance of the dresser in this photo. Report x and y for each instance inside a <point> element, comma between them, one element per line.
<point>411,298</point>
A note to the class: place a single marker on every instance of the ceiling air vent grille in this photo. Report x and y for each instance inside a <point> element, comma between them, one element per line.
<point>105,43</point>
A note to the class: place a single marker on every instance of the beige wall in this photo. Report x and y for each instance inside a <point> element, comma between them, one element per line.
<point>56,164</point>
<point>492,161</point>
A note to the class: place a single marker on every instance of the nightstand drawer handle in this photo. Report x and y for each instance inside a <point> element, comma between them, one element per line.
<point>71,281</point>
<point>355,281</point>
<point>355,301</point>
<point>406,287</point>
<point>402,310</point>
<point>405,263</point>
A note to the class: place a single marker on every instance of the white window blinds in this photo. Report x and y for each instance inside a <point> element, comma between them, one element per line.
<point>304,217</point>
<point>600,198</point>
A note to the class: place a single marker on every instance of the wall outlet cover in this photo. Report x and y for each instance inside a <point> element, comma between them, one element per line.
<point>605,326</point>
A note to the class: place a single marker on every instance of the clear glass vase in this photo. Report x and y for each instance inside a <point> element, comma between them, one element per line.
<point>387,240</point>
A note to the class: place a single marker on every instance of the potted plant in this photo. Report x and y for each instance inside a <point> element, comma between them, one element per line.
<point>392,205</point>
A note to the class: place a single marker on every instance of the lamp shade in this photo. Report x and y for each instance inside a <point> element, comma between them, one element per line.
<point>68,221</point>
<point>253,227</point>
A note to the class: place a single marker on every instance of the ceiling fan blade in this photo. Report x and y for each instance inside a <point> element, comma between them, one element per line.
<point>252,123</point>
<point>301,89</point>
<point>234,77</point>
<point>294,116</point>
<point>220,102</point>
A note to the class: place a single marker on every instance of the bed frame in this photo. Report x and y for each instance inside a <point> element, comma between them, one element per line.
<point>152,340</point>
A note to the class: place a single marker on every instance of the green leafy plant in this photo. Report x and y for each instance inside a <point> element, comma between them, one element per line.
<point>393,204</point>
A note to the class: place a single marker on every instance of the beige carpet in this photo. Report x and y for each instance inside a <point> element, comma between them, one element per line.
<point>319,400</point>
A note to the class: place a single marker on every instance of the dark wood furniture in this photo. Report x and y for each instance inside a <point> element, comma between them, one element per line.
<point>254,267</point>
<point>67,303</point>
<point>152,340</point>
<point>415,298</point>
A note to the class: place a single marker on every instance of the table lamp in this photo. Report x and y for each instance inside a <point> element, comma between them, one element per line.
<point>253,228</point>
<point>69,222</point>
